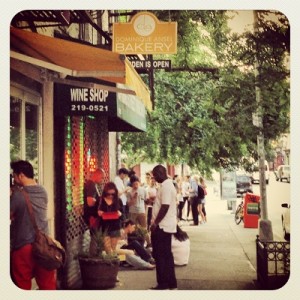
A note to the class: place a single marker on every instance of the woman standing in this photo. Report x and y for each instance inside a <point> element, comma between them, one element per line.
<point>185,196</point>
<point>110,213</point>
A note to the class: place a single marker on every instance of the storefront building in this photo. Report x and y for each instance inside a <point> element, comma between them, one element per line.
<point>67,102</point>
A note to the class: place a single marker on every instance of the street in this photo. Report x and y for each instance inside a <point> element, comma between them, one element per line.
<point>277,193</point>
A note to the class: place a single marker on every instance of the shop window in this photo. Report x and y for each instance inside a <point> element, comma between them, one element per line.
<point>24,127</point>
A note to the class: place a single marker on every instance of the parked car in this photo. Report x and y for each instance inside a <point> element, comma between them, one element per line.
<point>285,220</point>
<point>283,173</point>
<point>243,184</point>
<point>255,173</point>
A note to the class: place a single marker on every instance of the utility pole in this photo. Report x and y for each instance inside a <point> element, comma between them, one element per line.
<point>265,225</point>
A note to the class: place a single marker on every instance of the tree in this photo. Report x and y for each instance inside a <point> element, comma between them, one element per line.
<point>205,119</point>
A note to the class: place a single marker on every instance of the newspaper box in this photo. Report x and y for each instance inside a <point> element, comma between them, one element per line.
<point>251,210</point>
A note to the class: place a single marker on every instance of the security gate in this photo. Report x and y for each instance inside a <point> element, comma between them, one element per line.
<point>83,148</point>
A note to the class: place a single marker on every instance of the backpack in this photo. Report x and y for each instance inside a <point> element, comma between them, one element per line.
<point>201,193</point>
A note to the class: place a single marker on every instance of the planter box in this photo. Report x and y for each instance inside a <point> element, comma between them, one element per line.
<point>97,273</point>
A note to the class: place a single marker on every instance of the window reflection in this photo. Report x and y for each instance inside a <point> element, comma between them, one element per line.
<point>24,132</point>
<point>15,128</point>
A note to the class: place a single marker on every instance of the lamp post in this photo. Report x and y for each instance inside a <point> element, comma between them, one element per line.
<point>265,225</point>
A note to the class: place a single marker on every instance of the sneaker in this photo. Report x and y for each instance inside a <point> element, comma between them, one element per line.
<point>150,267</point>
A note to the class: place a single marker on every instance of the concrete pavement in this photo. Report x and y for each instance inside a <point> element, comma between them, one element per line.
<point>223,256</point>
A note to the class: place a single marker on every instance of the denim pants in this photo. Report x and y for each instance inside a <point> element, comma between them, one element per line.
<point>162,253</point>
<point>139,249</point>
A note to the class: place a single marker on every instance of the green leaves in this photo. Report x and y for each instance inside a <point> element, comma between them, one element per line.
<point>205,119</point>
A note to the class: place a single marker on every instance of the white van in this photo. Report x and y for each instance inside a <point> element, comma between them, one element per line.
<point>283,172</point>
<point>255,173</point>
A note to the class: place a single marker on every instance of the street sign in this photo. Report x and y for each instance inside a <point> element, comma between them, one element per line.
<point>151,64</point>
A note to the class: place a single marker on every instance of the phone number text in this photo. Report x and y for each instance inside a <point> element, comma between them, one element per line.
<point>83,107</point>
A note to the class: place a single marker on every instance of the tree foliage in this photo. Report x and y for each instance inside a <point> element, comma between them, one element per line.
<point>205,120</point>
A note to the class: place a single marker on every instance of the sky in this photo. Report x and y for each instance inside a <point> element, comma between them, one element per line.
<point>242,19</point>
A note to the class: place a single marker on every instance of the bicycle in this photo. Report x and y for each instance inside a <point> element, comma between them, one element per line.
<point>239,213</point>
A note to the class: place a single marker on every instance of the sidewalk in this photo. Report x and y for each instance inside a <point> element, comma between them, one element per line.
<point>223,256</point>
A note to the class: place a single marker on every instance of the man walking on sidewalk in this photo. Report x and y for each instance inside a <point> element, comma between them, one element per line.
<point>163,225</point>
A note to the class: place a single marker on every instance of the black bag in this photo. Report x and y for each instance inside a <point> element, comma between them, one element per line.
<point>201,193</point>
<point>47,252</point>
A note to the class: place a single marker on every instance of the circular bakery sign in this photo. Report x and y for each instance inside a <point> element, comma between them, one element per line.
<point>144,24</point>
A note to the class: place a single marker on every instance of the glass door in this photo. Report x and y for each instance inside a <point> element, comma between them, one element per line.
<point>25,126</point>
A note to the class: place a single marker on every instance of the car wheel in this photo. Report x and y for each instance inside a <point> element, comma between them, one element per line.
<point>286,235</point>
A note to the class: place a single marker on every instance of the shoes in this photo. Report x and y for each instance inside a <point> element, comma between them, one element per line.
<point>150,267</point>
<point>126,265</point>
<point>158,288</point>
<point>162,288</point>
<point>151,261</point>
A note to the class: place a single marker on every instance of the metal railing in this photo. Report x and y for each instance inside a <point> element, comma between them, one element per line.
<point>273,263</point>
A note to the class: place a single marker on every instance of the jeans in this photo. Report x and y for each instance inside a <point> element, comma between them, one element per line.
<point>195,213</point>
<point>139,249</point>
<point>162,253</point>
<point>181,206</point>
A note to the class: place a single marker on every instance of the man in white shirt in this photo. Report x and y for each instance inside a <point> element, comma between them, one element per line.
<point>122,189</point>
<point>163,225</point>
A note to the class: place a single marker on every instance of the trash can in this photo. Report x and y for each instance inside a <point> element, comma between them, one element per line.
<point>251,210</point>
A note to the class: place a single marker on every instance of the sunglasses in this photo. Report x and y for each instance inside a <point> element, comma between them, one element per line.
<point>110,194</point>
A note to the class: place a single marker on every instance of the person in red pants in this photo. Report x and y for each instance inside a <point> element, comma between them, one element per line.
<point>24,269</point>
<point>23,266</point>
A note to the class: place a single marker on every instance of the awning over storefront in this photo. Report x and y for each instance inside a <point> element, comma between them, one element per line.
<point>77,60</point>
<point>125,112</point>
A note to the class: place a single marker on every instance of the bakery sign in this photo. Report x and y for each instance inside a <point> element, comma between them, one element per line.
<point>145,34</point>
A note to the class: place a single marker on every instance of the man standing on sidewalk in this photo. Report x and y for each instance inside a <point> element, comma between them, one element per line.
<point>92,195</point>
<point>23,266</point>
<point>122,189</point>
<point>163,225</point>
